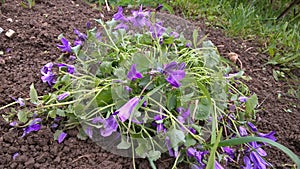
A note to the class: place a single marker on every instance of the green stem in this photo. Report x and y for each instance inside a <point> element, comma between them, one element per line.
<point>151,163</point>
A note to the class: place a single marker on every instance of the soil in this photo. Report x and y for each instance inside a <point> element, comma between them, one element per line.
<point>34,44</point>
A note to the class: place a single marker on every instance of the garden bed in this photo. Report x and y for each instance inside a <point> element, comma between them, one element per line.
<point>34,44</point>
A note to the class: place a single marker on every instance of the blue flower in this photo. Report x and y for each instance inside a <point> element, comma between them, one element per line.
<point>63,96</point>
<point>243,131</point>
<point>247,162</point>
<point>80,35</point>
<point>218,165</point>
<point>243,99</point>
<point>252,126</point>
<point>157,30</point>
<point>21,102</point>
<point>138,18</point>
<point>119,15</point>
<point>47,68</point>
<point>125,111</point>
<point>198,155</point>
<point>269,135</point>
<point>110,125</point>
<point>61,137</point>
<point>89,131</point>
<point>229,151</point>
<point>15,155</point>
<point>258,162</point>
<point>71,68</point>
<point>33,126</point>
<point>174,73</point>
<point>133,73</point>
<point>66,46</point>
<point>49,78</point>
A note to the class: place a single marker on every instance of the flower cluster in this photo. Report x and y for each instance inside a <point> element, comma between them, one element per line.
<point>154,90</point>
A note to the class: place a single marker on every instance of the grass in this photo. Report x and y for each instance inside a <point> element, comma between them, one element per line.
<point>255,19</point>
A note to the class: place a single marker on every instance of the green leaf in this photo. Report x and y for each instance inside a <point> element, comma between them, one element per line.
<point>106,67</point>
<point>154,155</point>
<point>56,134</point>
<point>189,141</point>
<point>22,116</point>
<point>242,140</point>
<point>176,137</point>
<point>171,101</point>
<point>142,149</point>
<point>76,50</point>
<point>123,145</point>
<point>212,156</point>
<point>204,109</point>
<point>251,103</point>
<point>81,134</point>
<point>52,114</point>
<point>104,98</point>
<point>33,95</point>
<point>60,112</point>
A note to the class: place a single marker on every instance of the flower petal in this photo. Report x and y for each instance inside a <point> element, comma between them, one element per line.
<point>61,137</point>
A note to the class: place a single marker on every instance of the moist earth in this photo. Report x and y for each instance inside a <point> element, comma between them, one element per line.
<point>34,44</point>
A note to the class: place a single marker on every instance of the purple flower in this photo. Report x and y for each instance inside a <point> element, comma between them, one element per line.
<point>61,137</point>
<point>54,125</point>
<point>89,131</point>
<point>174,34</point>
<point>232,108</point>
<point>185,113</point>
<point>172,152</point>
<point>80,35</point>
<point>47,68</point>
<point>258,148</point>
<point>119,15</point>
<point>63,96</point>
<point>243,131</point>
<point>269,135</point>
<point>138,18</point>
<point>218,165</point>
<point>127,88</point>
<point>159,123</point>
<point>70,68</point>
<point>15,155</point>
<point>125,111</point>
<point>160,6</point>
<point>229,151</point>
<point>247,162</point>
<point>198,155</point>
<point>258,162</point>
<point>188,45</point>
<point>133,73</point>
<point>49,78</point>
<point>110,125</point>
<point>174,73</point>
<point>78,42</point>
<point>252,126</point>
<point>157,30</point>
<point>88,25</point>
<point>13,124</point>
<point>243,99</point>
<point>33,126</point>
<point>72,57</point>
<point>66,46</point>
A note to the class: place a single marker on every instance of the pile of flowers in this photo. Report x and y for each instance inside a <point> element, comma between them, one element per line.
<point>140,89</point>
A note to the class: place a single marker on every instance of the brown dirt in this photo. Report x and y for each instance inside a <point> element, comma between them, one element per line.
<point>33,45</point>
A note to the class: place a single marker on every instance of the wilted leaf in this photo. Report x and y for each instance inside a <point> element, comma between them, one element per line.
<point>123,145</point>
<point>176,137</point>
<point>22,116</point>
<point>33,95</point>
<point>154,155</point>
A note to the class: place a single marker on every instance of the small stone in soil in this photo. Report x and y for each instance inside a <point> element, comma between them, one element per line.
<point>10,33</point>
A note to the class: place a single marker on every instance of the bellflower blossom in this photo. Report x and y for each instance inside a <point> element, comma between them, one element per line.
<point>48,76</point>
<point>61,137</point>
<point>159,123</point>
<point>125,111</point>
<point>133,73</point>
<point>80,35</point>
<point>110,125</point>
<point>70,68</point>
<point>183,114</point>
<point>269,135</point>
<point>174,73</point>
<point>33,126</point>
<point>66,45</point>
<point>139,18</point>
<point>252,126</point>
<point>157,30</point>
<point>218,165</point>
<point>63,96</point>
<point>243,131</point>
<point>119,15</point>
<point>198,155</point>
<point>243,99</point>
